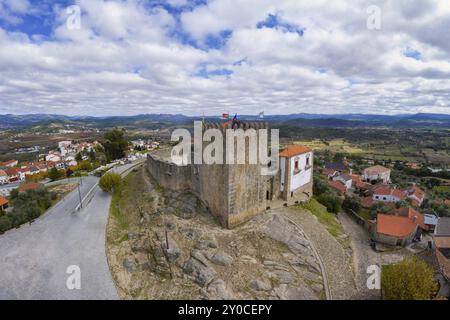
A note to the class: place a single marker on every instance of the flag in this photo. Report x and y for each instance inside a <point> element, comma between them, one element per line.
<point>235,117</point>
<point>261,114</point>
<point>225,116</point>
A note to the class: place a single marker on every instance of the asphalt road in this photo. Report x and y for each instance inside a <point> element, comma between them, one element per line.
<point>34,258</point>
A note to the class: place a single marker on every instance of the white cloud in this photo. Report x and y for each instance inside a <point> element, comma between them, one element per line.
<point>126,59</point>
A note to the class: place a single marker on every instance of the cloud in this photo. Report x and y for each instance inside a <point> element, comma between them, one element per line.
<point>241,56</point>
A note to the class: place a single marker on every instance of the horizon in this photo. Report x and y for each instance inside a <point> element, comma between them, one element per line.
<point>219,115</point>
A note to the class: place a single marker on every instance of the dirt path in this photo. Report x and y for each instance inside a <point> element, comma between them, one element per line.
<point>336,261</point>
<point>363,256</point>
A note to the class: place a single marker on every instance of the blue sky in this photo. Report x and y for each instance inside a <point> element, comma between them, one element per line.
<point>244,56</point>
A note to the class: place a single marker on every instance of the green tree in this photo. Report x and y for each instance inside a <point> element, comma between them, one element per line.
<point>55,174</point>
<point>79,157</point>
<point>320,186</point>
<point>331,201</point>
<point>410,279</point>
<point>110,182</point>
<point>115,144</point>
<point>351,203</point>
<point>378,207</point>
<point>5,223</point>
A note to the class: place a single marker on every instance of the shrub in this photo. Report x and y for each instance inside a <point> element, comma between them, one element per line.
<point>5,223</point>
<point>351,203</point>
<point>332,202</point>
<point>110,182</point>
<point>410,279</point>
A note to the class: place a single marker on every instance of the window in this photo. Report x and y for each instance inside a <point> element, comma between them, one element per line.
<point>377,197</point>
<point>384,198</point>
<point>296,165</point>
<point>307,161</point>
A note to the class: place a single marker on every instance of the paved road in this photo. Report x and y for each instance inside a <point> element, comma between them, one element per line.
<point>34,258</point>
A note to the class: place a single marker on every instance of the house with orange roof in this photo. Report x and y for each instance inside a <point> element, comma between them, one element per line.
<point>30,186</point>
<point>3,203</point>
<point>338,186</point>
<point>296,163</point>
<point>4,179</point>
<point>416,194</point>
<point>394,230</point>
<point>9,164</point>
<point>386,194</point>
<point>13,174</point>
<point>413,215</point>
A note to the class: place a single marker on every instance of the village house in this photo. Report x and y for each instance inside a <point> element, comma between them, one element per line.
<point>329,173</point>
<point>9,164</point>
<point>393,230</point>
<point>30,186</point>
<point>3,203</point>
<point>4,179</point>
<point>416,194</point>
<point>339,186</point>
<point>386,194</point>
<point>13,174</point>
<point>345,179</point>
<point>377,173</point>
<point>441,239</point>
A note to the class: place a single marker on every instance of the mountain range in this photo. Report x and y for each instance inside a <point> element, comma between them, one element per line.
<point>10,121</point>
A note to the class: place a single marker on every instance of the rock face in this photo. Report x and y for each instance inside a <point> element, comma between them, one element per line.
<point>222,259</point>
<point>181,252</point>
<point>260,285</point>
<point>201,274</point>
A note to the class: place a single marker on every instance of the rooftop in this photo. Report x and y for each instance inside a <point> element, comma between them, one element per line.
<point>376,170</point>
<point>396,226</point>
<point>443,227</point>
<point>3,201</point>
<point>293,150</point>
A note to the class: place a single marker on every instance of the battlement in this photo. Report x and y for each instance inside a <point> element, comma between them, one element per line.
<point>236,125</point>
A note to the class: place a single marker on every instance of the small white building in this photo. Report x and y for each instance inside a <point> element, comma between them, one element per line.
<point>377,173</point>
<point>345,179</point>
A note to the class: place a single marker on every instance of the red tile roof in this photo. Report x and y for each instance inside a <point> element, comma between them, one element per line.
<point>30,186</point>
<point>367,202</point>
<point>12,172</point>
<point>396,226</point>
<point>293,150</point>
<point>386,191</point>
<point>411,213</point>
<point>338,185</point>
<point>3,201</point>
<point>416,191</point>
<point>375,170</point>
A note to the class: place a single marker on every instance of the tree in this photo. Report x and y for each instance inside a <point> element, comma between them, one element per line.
<point>351,203</point>
<point>378,207</point>
<point>115,144</point>
<point>320,187</point>
<point>55,174</point>
<point>331,201</point>
<point>79,157</point>
<point>85,166</point>
<point>5,223</point>
<point>110,182</point>
<point>410,279</point>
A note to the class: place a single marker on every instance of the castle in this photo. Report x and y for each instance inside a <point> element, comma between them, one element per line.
<point>234,193</point>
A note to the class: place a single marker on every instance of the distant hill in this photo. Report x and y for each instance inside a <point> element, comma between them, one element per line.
<point>10,121</point>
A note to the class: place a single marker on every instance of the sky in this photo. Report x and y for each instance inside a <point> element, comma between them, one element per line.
<point>215,56</point>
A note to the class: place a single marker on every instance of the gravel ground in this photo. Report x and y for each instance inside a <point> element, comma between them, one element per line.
<point>337,262</point>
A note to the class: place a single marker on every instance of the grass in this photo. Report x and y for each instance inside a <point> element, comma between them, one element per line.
<point>326,218</point>
<point>442,189</point>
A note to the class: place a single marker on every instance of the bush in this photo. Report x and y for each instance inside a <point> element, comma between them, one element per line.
<point>411,279</point>
<point>332,202</point>
<point>320,187</point>
<point>5,223</point>
<point>351,203</point>
<point>110,182</point>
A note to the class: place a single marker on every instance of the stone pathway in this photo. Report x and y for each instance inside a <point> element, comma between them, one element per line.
<point>336,261</point>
